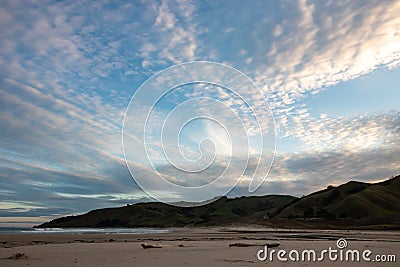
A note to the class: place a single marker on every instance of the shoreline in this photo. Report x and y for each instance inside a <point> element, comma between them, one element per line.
<point>224,246</point>
<point>8,240</point>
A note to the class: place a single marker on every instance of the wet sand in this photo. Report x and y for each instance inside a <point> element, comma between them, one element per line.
<point>191,247</point>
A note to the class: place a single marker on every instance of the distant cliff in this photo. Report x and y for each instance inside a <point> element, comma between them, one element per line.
<point>354,204</point>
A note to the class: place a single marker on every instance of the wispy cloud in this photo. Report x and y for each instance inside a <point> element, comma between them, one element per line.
<point>327,43</point>
<point>69,69</point>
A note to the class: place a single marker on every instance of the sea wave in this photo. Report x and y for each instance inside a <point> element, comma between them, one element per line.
<point>8,230</point>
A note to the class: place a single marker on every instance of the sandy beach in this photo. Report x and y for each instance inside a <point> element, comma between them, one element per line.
<point>190,247</point>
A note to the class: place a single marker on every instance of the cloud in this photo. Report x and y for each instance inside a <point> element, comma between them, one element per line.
<point>327,43</point>
<point>351,133</point>
<point>303,173</point>
<point>333,43</point>
<point>173,35</point>
<point>34,191</point>
<point>68,71</point>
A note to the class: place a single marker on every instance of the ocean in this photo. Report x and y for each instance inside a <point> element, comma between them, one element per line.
<point>27,230</point>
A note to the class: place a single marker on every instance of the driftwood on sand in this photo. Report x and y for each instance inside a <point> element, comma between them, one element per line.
<point>146,246</point>
<point>239,244</point>
<point>17,256</point>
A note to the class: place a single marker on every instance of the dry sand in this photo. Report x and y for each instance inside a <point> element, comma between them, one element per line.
<point>187,247</point>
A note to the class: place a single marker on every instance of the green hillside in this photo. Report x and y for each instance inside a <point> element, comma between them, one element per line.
<point>351,204</point>
<point>224,210</point>
<point>354,200</point>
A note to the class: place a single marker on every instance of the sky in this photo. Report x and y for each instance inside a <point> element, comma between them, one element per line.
<point>329,71</point>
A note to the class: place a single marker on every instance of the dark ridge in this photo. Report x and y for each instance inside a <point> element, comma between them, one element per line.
<point>350,205</point>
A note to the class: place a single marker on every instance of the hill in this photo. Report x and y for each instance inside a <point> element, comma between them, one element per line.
<point>354,204</point>
<point>155,214</point>
<point>354,200</point>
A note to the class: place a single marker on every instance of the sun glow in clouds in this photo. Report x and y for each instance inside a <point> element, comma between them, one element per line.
<point>164,131</point>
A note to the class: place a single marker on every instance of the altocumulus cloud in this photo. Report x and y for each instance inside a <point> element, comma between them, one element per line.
<point>68,70</point>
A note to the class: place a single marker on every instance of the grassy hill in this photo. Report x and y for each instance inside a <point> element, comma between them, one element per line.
<point>348,205</point>
<point>154,214</point>
<point>354,200</point>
